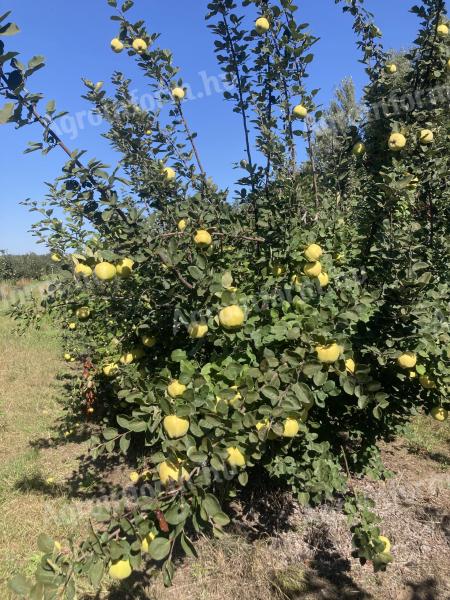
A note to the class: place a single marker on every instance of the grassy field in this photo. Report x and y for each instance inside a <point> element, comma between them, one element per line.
<point>278,550</point>
<point>35,459</point>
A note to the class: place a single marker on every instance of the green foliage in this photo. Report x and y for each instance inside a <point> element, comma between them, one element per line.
<point>264,393</point>
<point>25,266</point>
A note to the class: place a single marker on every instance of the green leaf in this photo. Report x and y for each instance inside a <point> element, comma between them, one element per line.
<point>195,272</point>
<point>109,433</point>
<point>127,5</point>
<point>311,368</point>
<point>168,571</point>
<point>221,519</point>
<point>50,106</point>
<point>45,543</point>
<point>211,505</point>
<point>9,29</point>
<point>95,573</point>
<point>6,113</point>
<point>187,546</point>
<point>227,280</point>
<point>36,61</point>
<point>196,456</point>
<point>132,424</point>
<point>4,16</point>
<point>159,548</point>
<point>243,478</point>
<point>178,355</point>
<point>176,514</point>
<point>20,586</point>
<point>124,443</point>
<point>270,392</point>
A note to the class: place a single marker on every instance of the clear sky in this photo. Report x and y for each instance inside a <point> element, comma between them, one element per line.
<point>74,37</point>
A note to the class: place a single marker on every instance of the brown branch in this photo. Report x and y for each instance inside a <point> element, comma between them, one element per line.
<point>180,277</point>
<point>191,139</point>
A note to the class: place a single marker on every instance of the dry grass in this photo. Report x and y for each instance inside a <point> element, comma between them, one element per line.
<point>20,291</point>
<point>309,558</point>
<point>29,503</point>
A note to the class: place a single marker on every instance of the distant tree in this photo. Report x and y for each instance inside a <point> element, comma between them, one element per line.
<point>25,266</point>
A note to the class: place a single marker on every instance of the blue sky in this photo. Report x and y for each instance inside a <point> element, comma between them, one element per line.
<point>74,37</point>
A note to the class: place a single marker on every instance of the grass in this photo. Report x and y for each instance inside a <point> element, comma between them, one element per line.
<point>30,502</point>
<point>428,437</point>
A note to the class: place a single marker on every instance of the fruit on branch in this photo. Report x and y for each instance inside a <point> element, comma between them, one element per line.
<point>324,279</point>
<point>426,136</point>
<point>202,238</point>
<point>117,45</point>
<point>134,476</point>
<point>396,142</point>
<point>147,541</point>
<point>300,111</point>
<point>313,252</point>
<point>72,326</point>
<point>82,270</point>
<point>176,389</point>
<point>386,542</point>
<point>178,94</point>
<point>262,25</point>
<point>312,269</point>
<point>175,427</point>
<point>182,224</point>
<point>231,317</point>
<point>56,257</point>
<point>169,173</point>
<point>291,428</point>
<point>139,45</point>
<point>439,413</point>
<point>110,370</point>
<point>125,267</point>
<point>235,458</point>
<point>135,354</point>
<point>427,383</point>
<point>105,271</point>
<point>350,365</point>
<point>390,68</point>
<point>170,472</point>
<point>262,424</point>
<point>278,270</point>
<point>197,330</point>
<point>407,360</point>
<point>442,30</point>
<point>359,149</point>
<point>148,341</point>
<point>328,354</point>
<point>83,313</point>
<point>120,569</point>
